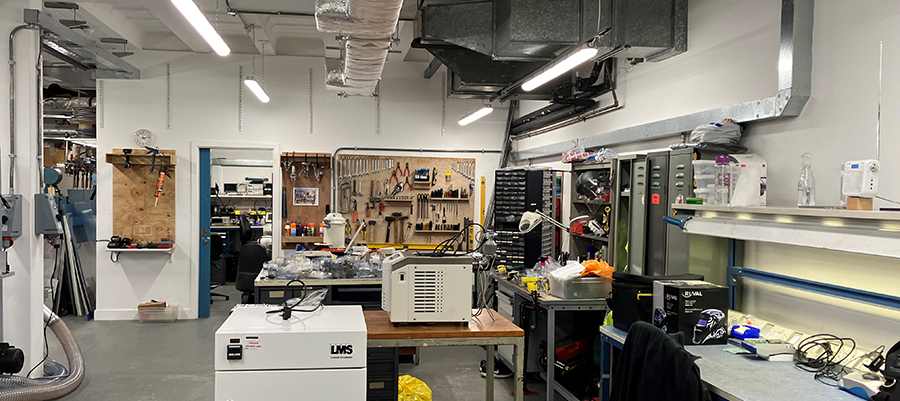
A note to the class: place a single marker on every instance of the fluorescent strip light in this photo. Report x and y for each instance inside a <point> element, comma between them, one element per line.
<point>560,68</point>
<point>256,89</point>
<point>201,24</point>
<point>476,115</point>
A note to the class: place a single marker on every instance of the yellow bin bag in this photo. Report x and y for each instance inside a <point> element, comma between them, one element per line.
<point>412,389</point>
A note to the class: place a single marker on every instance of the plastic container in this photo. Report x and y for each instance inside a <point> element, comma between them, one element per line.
<point>703,193</point>
<point>705,180</point>
<point>723,180</point>
<point>806,188</point>
<point>167,314</point>
<point>702,167</point>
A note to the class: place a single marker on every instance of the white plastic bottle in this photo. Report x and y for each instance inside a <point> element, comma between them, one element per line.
<point>806,188</point>
<point>723,180</point>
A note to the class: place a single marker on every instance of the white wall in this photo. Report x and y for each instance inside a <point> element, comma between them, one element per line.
<point>22,301</point>
<point>204,108</point>
<point>732,57</point>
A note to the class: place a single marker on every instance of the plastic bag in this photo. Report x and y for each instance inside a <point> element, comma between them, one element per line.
<point>725,132</point>
<point>412,389</point>
<point>571,270</point>
<point>597,268</point>
<point>576,153</point>
<point>601,156</point>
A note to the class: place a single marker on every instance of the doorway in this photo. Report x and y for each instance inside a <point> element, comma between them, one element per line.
<point>232,186</point>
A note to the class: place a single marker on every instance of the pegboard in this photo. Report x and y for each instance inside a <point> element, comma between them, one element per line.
<point>365,178</point>
<point>291,164</point>
<point>135,212</point>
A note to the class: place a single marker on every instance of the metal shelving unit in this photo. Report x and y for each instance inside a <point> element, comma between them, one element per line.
<point>579,243</point>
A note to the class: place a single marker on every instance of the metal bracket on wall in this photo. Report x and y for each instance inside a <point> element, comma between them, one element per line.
<point>310,101</point>
<point>240,109</point>
<point>794,88</point>
<point>168,96</point>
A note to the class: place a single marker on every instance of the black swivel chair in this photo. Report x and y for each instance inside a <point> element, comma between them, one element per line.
<point>246,230</point>
<point>216,252</point>
<point>250,263</point>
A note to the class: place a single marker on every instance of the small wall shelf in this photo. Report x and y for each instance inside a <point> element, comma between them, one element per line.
<point>302,240</point>
<point>115,252</point>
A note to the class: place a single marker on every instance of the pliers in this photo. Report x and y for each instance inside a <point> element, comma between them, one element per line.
<point>406,184</point>
<point>405,171</point>
<point>355,214</point>
<point>395,176</point>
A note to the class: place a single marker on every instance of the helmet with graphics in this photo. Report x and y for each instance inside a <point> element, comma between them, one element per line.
<point>712,325</point>
<point>659,319</point>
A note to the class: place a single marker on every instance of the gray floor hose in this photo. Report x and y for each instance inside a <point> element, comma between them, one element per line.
<point>19,388</point>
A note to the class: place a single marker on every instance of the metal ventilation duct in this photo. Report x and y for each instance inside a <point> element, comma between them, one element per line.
<point>366,27</point>
<point>523,35</point>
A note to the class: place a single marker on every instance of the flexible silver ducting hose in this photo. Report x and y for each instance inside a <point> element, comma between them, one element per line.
<point>24,389</point>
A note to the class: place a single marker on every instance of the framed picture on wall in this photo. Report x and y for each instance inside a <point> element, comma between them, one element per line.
<point>306,196</point>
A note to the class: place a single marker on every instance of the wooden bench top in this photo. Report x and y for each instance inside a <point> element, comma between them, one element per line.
<point>380,327</point>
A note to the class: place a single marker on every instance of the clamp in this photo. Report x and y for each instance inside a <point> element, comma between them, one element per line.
<point>127,153</point>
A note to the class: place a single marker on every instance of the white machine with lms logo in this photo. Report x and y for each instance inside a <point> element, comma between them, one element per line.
<point>319,355</point>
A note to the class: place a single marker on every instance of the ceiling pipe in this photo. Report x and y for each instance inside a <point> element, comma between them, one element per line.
<point>794,89</point>
<point>236,12</point>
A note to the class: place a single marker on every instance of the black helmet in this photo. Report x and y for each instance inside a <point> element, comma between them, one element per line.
<point>711,326</point>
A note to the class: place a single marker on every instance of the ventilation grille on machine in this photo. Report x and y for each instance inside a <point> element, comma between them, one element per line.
<point>428,291</point>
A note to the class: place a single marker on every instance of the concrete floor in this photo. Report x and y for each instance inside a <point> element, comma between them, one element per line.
<point>144,362</point>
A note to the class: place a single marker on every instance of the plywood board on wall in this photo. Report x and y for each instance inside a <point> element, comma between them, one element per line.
<point>135,212</point>
<point>291,163</point>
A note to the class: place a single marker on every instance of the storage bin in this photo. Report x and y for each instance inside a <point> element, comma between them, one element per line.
<point>168,314</point>
<point>704,167</point>
<point>580,288</point>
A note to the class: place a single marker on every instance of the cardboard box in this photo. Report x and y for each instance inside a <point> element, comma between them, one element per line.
<point>854,203</point>
<point>696,308</point>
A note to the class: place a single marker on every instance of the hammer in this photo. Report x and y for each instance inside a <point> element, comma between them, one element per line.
<point>397,216</point>
<point>389,220</point>
<point>401,220</point>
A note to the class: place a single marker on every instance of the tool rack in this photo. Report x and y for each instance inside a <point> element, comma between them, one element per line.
<point>362,177</point>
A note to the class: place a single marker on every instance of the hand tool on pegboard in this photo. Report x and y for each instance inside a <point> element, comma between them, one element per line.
<point>154,152</point>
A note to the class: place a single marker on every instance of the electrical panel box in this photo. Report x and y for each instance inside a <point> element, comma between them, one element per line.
<point>47,219</point>
<point>12,218</point>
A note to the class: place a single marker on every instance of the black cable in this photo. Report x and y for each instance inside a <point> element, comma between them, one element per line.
<point>47,323</point>
<point>887,200</point>
<point>825,366</point>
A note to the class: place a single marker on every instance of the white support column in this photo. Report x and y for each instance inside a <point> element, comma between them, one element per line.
<point>22,301</point>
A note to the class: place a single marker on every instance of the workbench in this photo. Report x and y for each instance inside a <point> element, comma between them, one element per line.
<point>734,377</point>
<point>352,291</point>
<point>552,305</point>
<point>480,331</point>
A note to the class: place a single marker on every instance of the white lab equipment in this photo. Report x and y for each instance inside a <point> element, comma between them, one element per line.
<point>427,289</point>
<point>860,178</point>
<point>318,355</point>
<point>335,224</point>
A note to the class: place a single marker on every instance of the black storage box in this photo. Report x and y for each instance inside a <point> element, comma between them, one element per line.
<point>696,308</point>
<point>631,299</point>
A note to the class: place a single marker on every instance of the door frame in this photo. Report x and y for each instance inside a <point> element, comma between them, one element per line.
<point>195,205</point>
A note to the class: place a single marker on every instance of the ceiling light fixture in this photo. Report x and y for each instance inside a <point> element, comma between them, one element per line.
<point>202,25</point>
<point>487,109</point>
<point>256,89</point>
<point>567,64</point>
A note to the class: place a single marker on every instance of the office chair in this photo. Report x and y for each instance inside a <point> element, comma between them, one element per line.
<point>216,252</point>
<point>246,231</point>
<point>250,263</point>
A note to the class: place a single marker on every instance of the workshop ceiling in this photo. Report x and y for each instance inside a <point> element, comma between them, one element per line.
<point>157,25</point>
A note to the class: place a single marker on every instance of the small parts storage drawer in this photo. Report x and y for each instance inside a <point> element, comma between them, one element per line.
<point>167,314</point>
